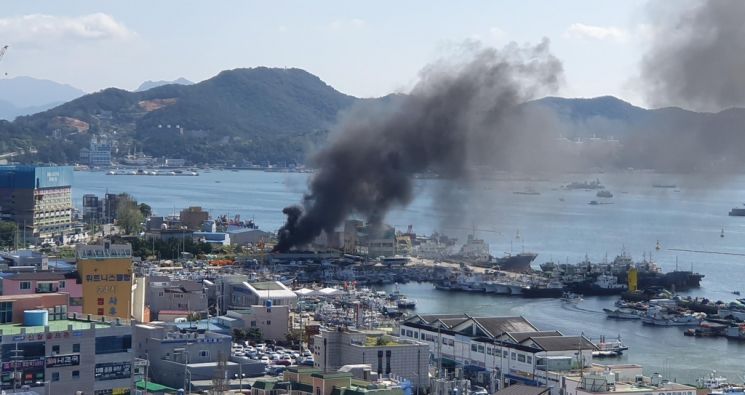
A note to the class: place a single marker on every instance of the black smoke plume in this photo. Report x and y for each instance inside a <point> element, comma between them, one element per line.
<point>697,56</point>
<point>453,118</point>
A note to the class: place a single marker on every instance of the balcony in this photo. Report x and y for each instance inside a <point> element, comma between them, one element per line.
<point>46,288</point>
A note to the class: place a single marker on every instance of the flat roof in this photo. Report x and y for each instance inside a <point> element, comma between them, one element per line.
<point>267,286</point>
<point>7,298</point>
<point>54,326</point>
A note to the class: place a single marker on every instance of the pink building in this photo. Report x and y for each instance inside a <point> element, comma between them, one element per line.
<point>13,306</point>
<point>37,283</point>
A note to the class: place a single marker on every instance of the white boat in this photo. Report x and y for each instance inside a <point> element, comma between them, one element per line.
<point>623,314</point>
<point>570,297</point>
<point>684,320</point>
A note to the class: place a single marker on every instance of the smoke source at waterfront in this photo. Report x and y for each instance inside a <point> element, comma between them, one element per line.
<point>460,113</point>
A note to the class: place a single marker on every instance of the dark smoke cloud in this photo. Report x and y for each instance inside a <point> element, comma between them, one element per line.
<point>457,115</point>
<point>697,57</point>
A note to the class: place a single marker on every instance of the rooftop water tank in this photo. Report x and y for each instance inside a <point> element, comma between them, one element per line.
<point>35,318</point>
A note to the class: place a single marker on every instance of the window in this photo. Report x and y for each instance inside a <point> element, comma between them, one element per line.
<point>100,301</point>
<point>444,341</point>
<point>99,311</point>
<point>481,348</point>
<point>253,324</point>
<point>25,284</point>
<point>55,349</point>
<point>204,353</point>
<point>75,374</point>
<point>6,312</point>
<point>473,347</point>
<point>488,351</point>
<point>514,356</point>
<point>61,285</point>
<point>504,355</point>
<point>403,332</point>
<point>55,376</point>
<point>530,359</point>
<point>113,344</point>
<point>76,347</point>
<point>268,322</point>
<point>520,358</point>
<point>416,335</point>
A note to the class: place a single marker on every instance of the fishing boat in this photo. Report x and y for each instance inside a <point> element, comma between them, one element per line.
<point>622,314</point>
<point>406,303</point>
<point>571,297</point>
<point>609,348</point>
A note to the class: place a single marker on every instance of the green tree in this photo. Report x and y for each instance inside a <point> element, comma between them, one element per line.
<point>128,215</point>
<point>7,234</point>
<point>146,210</point>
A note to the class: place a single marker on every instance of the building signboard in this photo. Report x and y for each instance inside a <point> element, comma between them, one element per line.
<point>63,360</point>
<point>113,371</point>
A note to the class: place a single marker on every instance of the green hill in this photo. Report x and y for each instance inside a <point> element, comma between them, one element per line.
<point>244,114</point>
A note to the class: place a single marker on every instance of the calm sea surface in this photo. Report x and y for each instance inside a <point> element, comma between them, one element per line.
<point>559,225</point>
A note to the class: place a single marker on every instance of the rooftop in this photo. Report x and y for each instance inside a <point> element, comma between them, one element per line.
<point>103,251</point>
<point>519,337</point>
<point>54,326</point>
<point>35,276</point>
<point>267,286</point>
<point>561,343</point>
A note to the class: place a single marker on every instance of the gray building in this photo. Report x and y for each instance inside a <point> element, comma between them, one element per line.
<point>177,357</point>
<point>385,354</point>
<point>163,293</point>
<point>65,356</point>
<point>273,322</point>
<point>239,292</point>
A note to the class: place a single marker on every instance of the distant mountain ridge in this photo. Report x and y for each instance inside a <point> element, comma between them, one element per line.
<point>283,115</point>
<point>257,114</point>
<point>27,95</point>
<point>154,84</point>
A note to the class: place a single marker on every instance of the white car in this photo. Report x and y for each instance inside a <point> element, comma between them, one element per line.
<point>261,347</point>
<point>274,356</point>
<point>264,359</point>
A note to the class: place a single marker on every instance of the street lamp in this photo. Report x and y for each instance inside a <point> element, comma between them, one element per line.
<point>47,384</point>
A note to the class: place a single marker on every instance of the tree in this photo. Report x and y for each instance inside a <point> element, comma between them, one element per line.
<point>8,232</point>
<point>146,210</point>
<point>128,214</point>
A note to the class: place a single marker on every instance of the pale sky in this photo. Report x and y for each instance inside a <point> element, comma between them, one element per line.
<point>363,49</point>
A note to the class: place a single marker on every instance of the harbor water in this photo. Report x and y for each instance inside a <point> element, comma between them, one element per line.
<point>688,219</point>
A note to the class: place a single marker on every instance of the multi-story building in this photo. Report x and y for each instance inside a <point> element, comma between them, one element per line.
<point>193,217</point>
<point>67,355</point>
<point>243,295</point>
<point>509,346</point>
<point>106,275</point>
<point>38,199</point>
<point>178,357</point>
<point>39,283</point>
<point>386,355</point>
<point>272,321</point>
<point>99,153</point>
<point>92,209</point>
<point>163,294</point>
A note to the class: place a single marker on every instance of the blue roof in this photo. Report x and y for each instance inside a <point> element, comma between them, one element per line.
<point>29,177</point>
